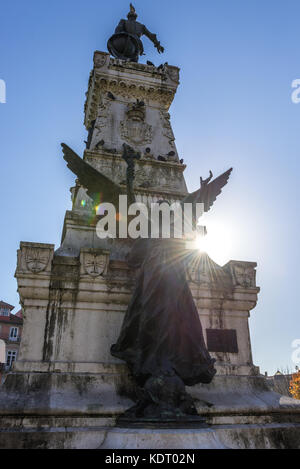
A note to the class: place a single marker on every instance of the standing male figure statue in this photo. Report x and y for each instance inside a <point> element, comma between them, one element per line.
<point>125,44</point>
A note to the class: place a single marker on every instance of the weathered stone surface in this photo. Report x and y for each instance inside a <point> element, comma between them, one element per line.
<point>76,305</point>
<point>79,410</point>
<point>77,309</point>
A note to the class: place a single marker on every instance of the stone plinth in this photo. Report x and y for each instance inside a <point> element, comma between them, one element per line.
<point>66,378</point>
<point>76,305</point>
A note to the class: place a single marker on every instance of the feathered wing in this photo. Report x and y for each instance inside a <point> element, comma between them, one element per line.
<point>99,187</point>
<point>208,193</point>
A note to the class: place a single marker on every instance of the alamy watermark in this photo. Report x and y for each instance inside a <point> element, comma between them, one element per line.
<point>2,91</point>
<point>138,220</point>
<point>295,96</point>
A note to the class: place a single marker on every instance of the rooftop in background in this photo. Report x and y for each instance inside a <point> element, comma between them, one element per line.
<point>5,305</point>
<point>12,318</point>
<point>6,314</point>
<point>19,314</point>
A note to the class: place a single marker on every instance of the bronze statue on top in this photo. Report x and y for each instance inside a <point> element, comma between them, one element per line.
<point>125,44</point>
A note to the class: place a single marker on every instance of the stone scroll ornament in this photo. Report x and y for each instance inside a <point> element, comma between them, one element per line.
<point>161,337</point>
<point>125,43</point>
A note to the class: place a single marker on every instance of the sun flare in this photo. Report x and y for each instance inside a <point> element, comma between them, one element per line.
<point>217,243</point>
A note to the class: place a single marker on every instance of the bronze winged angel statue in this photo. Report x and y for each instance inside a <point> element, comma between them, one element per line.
<point>161,337</point>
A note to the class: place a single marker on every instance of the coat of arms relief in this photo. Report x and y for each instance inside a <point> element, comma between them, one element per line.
<point>94,262</point>
<point>35,257</point>
<point>133,128</point>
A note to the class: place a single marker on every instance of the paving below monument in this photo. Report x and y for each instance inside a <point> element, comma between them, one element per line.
<point>80,411</point>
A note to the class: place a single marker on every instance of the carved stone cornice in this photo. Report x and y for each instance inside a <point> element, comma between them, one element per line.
<point>129,80</point>
<point>117,157</point>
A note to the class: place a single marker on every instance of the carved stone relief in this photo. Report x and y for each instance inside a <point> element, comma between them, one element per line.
<point>166,127</point>
<point>34,257</point>
<point>94,262</point>
<point>100,59</point>
<point>202,270</point>
<point>243,273</point>
<point>37,259</point>
<point>197,273</point>
<point>101,121</point>
<point>245,276</point>
<point>133,128</point>
<point>173,73</point>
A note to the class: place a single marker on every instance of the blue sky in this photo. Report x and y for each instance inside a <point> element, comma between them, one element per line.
<point>233,108</point>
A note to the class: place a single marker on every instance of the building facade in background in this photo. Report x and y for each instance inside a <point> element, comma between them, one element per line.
<point>10,333</point>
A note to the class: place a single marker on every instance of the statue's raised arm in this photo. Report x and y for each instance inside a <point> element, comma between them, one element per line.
<point>125,44</point>
<point>153,38</point>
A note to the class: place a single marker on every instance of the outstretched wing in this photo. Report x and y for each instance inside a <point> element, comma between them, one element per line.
<point>99,187</point>
<point>208,193</point>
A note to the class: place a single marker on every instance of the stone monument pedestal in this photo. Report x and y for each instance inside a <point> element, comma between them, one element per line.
<point>66,390</point>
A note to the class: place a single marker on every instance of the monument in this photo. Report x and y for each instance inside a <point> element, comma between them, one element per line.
<point>136,343</point>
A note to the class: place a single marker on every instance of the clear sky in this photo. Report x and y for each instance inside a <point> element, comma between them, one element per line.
<point>238,59</point>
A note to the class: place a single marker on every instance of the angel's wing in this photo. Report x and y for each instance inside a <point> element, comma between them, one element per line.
<point>99,187</point>
<point>208,193</point>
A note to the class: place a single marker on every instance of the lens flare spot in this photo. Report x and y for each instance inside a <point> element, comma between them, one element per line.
<point>100,210</point>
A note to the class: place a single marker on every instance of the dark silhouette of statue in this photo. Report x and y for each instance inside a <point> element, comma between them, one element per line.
<point>161,338</point>
<point>125,44</point>
<point>130,155</point>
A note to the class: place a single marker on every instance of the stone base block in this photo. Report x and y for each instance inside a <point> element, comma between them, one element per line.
<point>272,436</point>
<point>79,410</point>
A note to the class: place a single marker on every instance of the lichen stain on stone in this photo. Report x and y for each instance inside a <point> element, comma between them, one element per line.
<point>63,287</point>
<point>82,383</point>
